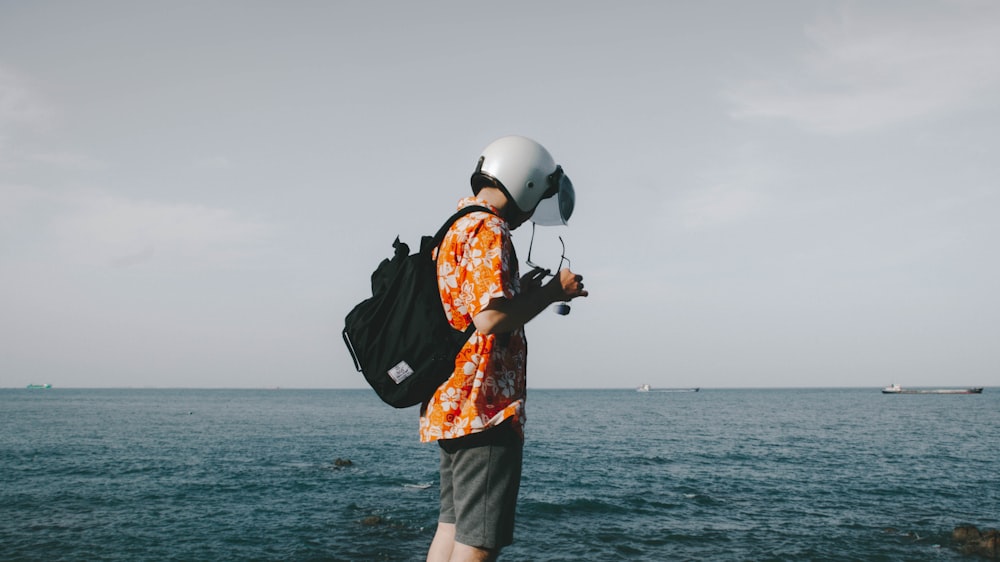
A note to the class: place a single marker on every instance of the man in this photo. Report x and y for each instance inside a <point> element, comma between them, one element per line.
<point>477,416</point>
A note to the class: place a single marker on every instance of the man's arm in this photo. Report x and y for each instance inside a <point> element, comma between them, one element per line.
<point>503,315</point>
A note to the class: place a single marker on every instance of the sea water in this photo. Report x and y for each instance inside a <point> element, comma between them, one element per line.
<point>832,474</point>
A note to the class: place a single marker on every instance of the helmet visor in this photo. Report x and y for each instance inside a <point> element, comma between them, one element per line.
<point>556,209</point>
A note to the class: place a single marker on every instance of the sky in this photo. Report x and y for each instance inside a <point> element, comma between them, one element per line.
<point>769,194</point>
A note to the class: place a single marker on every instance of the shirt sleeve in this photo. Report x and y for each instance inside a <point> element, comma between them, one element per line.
<point>473,268</point>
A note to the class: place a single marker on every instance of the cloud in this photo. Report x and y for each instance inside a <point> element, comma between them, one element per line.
<point>871,71</point>
<point>717,206</point>
<point>94,227</point>
<point>64,160</point>
<point>18,105</point>
<point>739,187</point>
<point>126,232</point>
<point>214,163</point>
<point>42,222</point>
<point>24,116</point>
<point>20,111</point>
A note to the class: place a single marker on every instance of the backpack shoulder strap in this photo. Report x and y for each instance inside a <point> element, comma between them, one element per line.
<point>459,214</point>
<point>428,243</point>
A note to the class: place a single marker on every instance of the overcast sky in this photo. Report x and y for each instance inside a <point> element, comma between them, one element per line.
<point>770,194</point>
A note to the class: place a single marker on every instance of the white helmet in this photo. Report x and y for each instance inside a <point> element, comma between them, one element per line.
<point>527,174</point>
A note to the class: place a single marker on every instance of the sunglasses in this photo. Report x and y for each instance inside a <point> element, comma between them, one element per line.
<point>562,257</point>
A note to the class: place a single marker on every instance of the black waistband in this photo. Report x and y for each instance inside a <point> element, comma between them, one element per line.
<point>503,434</point>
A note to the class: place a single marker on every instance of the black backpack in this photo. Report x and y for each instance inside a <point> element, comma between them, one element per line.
<point>400,338</point>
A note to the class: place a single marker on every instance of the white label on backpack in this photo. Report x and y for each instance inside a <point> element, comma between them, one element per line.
<point>400,372</point>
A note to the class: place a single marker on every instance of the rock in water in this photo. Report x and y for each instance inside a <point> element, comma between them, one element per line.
<point>965,533</point>
<point>973,541</point>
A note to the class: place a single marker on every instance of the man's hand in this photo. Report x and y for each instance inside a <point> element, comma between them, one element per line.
<point>533,279</point>
<point>569,285</point>
<point>503,315</point>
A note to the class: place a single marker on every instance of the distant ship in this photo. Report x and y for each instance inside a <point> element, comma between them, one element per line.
<point>46,385</point>
<point>896,389</point>
<point>647,388</point>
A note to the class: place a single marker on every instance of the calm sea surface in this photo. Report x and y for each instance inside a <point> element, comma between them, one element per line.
<point>845,474</point>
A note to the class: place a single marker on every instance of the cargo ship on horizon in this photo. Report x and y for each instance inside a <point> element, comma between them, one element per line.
<point>896,389</point>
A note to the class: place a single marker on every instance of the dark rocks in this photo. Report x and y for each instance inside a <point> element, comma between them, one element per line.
<point>372,521</point>
<point>966,533</point>
<point>990,544</point>
<point>973,541</point>
<point>341,463</point>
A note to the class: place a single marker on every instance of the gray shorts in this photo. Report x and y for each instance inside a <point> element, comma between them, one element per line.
<point>480,477</point>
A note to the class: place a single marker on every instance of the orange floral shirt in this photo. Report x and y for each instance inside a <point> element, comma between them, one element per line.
<point>476,264</point>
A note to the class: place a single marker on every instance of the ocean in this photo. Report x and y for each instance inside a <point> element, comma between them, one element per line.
<point>802,474</point>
